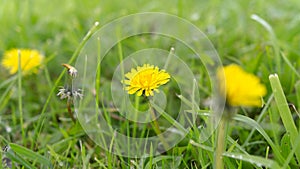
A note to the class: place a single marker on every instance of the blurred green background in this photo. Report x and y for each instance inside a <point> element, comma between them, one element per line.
<point>56,28</point>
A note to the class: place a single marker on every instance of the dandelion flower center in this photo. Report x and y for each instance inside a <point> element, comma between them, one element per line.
<point>30,59</point>
<point>239,87</point>
<point>145,80</point>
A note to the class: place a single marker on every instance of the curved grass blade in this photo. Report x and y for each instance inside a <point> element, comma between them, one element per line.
<point>29,154</point>
<point>284,111</point>
<point>19,160</point>
<point>255,125</point>
<point>174,162</point>
<point>259,161</point>
<point>273,39</point>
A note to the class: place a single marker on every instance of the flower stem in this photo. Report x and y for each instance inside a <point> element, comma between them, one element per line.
<point>70,111</point>
<point>221,139</point>
<point>157,130</point>
<point>20,96</point>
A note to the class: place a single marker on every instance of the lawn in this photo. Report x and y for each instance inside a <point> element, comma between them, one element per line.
<point>79,100</point>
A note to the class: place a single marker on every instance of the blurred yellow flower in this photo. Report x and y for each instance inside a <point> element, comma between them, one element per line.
<point>145,80</point>
<point>30,60</point>
<point>239,87</point>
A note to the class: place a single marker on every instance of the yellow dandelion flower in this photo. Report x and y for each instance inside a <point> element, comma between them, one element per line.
<point>145,80</point>
<point>241,88</point>
<point>30,59</point>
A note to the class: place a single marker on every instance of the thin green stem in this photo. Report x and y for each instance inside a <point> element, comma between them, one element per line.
<point>98,75</point>
<point>69,103</point>
<point>70,87</point>
<point>220,143</point>
<point>168,117</point>
<point>156,128</point>
<point>20,96</point>
<point>171,53</point>
<point>137,104</point>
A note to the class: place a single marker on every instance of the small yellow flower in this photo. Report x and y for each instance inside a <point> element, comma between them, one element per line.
<point>241,88</point>
<point>30,59</point>
<point>145,80</point>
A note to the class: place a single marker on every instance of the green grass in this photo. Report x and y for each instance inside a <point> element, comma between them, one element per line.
<point>261,36</point>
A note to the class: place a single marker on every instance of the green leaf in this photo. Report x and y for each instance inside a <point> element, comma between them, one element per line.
<point>284,111</point>
<point>18,159</point>
<point>259,161</point>
<point>289,159</point>
<point>285,145</point>
<point>169,118</point>
<point>255,125</point>
<point>273,39</point>
<point>164,162</point>
<point>29,154</point>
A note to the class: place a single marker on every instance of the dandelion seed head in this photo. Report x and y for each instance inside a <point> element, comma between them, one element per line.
<point>64,93</point>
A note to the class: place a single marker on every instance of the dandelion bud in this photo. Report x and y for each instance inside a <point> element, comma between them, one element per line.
<point>72,71</point>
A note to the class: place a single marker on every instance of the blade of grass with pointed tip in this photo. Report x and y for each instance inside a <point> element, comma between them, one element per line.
<point>202,146</point>
<point>284,111</point>
<point>273,38</point>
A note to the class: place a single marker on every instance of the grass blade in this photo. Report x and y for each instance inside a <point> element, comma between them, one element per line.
<point>290,65</point>
<point>19,160</point>
<point>284,111</point>
<point>168,117</point>
<point>273,39</point>
<point>289,158</point>
<point>29,154</point>
<point>255,125</point>
<point>259,161</point>
<point>166,161</point>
